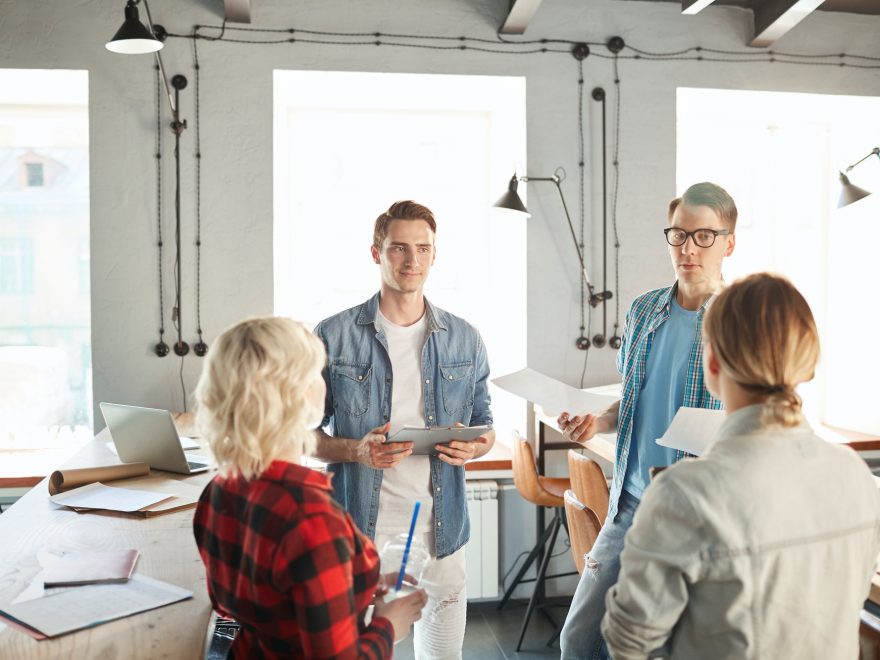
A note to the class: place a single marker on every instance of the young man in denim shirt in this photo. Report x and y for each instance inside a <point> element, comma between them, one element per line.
<point>398,360</point>
<point>661,361</point>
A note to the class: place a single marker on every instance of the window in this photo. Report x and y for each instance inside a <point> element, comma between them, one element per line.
<point>347,145</point>
<point>45,335</point>
<point>778,154</point>
<point>34,173</point>
<point>16,266</point>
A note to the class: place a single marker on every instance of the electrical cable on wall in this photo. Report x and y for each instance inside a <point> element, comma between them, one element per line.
<point>618,50</point>
<point>161,349</point>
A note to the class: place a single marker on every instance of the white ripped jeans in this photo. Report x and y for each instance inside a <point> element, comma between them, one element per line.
<point>439,634</point>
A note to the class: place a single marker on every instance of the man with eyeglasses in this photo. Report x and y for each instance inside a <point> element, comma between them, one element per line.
<point>660,360</point>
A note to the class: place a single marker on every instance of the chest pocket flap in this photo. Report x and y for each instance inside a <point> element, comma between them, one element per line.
<point>351,387</point>
<point>458,386</point>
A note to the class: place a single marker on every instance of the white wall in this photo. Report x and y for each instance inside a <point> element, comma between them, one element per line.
<point>236,109</point>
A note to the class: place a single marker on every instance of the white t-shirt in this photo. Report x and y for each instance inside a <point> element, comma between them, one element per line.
<point>410,480</point>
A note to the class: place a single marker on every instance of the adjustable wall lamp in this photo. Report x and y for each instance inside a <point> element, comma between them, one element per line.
<point>512,202</point>
<point>134,38</point>
<point>850,193</point>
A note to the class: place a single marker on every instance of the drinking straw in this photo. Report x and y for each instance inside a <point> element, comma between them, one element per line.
<point>412,528</point>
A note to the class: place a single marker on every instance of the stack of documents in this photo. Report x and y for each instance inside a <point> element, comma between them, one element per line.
<point>84,607</point>
<point>134,490</point>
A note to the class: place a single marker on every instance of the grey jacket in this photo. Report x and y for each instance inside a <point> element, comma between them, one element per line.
<point>763,548</point>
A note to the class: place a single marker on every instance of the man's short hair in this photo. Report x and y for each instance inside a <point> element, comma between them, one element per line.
<point>711,195</point>
<point>405,210</point>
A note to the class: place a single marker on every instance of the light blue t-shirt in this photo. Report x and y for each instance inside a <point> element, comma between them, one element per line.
<point>661,396</point>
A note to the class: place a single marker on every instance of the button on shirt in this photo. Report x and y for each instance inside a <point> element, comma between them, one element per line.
<point>661,396</point>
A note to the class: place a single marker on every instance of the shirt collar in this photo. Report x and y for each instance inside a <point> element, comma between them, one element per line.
<point>665,301</point>
<point>748,420</point>
<point>297,475</point>
<point>370,311</point>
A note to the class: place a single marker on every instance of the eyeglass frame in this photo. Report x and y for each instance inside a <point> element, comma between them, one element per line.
<point>692,235</point>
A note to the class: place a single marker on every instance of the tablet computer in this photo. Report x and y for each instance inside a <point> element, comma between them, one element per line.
<point>424,439</point>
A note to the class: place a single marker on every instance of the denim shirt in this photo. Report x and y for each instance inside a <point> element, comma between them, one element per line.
<point>358,376</point>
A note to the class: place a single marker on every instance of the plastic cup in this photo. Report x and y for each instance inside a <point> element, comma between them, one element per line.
<point>390,559</point>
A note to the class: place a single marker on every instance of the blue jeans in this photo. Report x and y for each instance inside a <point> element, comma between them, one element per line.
<point>581,637</point>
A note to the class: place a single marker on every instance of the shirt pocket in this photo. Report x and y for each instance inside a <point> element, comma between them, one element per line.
<point>351,387</point>
<point>458,386</point>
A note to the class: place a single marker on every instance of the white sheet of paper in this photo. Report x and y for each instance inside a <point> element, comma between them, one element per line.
<point>552,395</point>
<point>76,608</point>
<point>692,430</point>
<point>99,496</point>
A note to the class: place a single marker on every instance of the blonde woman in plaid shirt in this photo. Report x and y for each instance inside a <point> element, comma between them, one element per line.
<point>660,361</point>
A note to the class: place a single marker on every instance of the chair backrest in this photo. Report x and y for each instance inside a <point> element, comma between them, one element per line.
<point>583,528</point>
<point>525,471</point>
<point>588,483</point>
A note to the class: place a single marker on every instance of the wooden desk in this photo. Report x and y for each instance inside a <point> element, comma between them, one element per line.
<point>168,552</point>
<point>600,446</point>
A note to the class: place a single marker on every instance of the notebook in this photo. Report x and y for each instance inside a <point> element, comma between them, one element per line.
<point>91,567</point>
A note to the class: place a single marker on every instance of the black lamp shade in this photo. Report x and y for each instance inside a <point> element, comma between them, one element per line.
<point>133,38</point>
<point>849,193</point>
<point>510,200</point>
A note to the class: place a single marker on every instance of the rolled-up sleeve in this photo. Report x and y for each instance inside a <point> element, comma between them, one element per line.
<point>482,412</point>
<point>661,555</point>
<point>325,373</point>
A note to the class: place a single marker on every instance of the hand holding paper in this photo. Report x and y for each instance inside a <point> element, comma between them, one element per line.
<point>692,430</point>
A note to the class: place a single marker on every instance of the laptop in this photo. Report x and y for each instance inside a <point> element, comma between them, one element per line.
<point>149,435</point>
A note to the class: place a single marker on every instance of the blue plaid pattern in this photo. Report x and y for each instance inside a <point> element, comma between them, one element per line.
<point>647,313</point>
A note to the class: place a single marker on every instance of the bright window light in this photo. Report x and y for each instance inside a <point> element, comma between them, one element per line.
<point>778,154</point>
<point>45,319</point>
<point>347,145</point>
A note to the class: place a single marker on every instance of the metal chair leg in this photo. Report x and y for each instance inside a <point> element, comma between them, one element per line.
<point>539,580</point>
<point>525,567</point>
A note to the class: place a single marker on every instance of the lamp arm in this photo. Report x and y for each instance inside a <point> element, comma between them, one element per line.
<point>874,152</point>
<point>555,181</point>
<point>159,62</point>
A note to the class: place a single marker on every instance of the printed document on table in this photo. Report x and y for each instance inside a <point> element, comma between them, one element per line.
<point>692,430</point>
<point>99,496</point>
<point>83,607</point>
<point>552,395</point>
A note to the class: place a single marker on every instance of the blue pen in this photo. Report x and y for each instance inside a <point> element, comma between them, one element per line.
<point>412,528</point>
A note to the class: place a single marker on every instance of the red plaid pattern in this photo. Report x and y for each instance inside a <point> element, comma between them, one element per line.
<point>286,562</point>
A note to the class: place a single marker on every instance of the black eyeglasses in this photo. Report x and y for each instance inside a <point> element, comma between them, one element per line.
<point>703,238</point>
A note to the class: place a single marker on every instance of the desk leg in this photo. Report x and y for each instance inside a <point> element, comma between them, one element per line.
<point>539,526</point>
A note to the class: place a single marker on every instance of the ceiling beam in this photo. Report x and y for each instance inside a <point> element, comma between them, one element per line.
<point>694,6</point>
<point>238,11</point>
<point>521,14</point>
<point>774,18</point>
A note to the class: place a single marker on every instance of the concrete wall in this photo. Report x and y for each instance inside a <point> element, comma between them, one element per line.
<point>236,139</point>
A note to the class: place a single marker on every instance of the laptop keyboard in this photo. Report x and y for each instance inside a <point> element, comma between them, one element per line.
<point>196,466</point>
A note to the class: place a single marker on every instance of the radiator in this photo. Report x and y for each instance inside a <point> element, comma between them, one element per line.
<point>481,552</point>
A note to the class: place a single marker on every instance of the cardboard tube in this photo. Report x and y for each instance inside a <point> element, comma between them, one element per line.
<point>62,480</point>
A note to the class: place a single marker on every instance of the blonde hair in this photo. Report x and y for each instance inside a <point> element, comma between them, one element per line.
<point>763,333</point>
<point>252,397</point>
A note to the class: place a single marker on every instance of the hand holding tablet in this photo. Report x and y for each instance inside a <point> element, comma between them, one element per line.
<point>424,439</point>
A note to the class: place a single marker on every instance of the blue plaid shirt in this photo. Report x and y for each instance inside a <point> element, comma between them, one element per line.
<point>647,313</point>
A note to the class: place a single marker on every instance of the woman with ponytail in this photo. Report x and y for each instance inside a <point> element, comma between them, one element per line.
<point>765,546</point>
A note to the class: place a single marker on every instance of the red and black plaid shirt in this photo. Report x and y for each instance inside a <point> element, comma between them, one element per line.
<point>286,562</point>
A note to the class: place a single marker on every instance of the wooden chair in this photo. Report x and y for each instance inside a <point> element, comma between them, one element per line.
<point>588,483</point>
<point>583,528</point>
<point>540,491</point>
